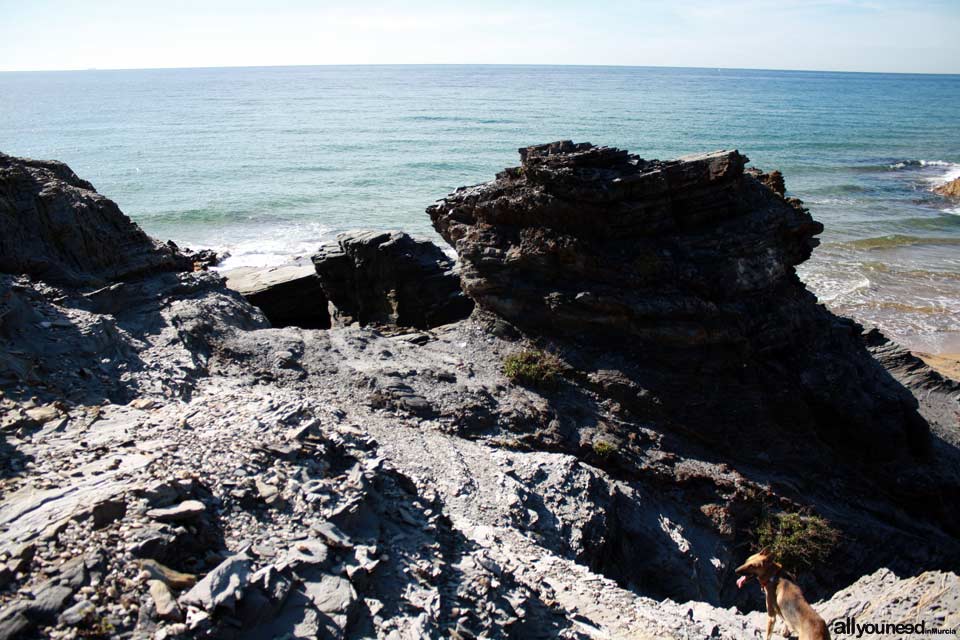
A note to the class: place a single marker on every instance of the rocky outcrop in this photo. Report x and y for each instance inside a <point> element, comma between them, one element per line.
<point>669,289</point>
<point>375,277</point>
<point>689,262</point>
<point>950,189</point>
<point>289,295</point>
<point>58,228</point>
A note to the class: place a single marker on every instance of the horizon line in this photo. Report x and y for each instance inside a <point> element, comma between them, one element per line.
<point>475,64</point>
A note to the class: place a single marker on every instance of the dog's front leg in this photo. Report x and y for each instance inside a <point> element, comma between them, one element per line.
<point>771,620</point>
<point>787,633</point>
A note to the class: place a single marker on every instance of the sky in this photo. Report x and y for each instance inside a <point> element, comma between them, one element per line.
<point>841,35</point>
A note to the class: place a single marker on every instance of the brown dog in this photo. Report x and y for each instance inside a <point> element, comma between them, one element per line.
<point>784,598</point>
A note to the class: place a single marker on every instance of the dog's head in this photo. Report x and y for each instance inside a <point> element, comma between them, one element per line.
<point>759,565</point>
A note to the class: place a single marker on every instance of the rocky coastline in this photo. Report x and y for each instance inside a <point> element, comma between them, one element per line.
<point>339,448</point>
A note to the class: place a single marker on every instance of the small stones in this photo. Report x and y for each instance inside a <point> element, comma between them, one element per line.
<point>268,493</point>
<point>185,511</point>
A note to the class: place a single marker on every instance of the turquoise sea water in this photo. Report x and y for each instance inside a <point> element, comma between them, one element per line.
<point>268,162</point>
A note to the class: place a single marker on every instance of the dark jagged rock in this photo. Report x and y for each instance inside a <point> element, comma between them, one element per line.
<point>56,227</point>
<point>690,262</point>
<point>289,295</point>
<point>375,277</point>
<point>585,240</point>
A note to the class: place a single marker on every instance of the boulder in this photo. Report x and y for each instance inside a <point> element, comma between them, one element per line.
<point>388,277</point>
<point>56,227</point>
<point>289,295</point>
<point>950,189</point>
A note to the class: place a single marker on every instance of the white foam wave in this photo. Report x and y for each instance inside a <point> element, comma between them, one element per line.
<point>277,246</point>
<point>920,163</point>
<point>821,201</point>
<point>937,171</point>
<point>951,172</point>
<point>831,289</point>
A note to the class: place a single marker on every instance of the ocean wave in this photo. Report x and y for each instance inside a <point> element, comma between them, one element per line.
<point>280,245</point>
<point>909,272</point>
<point>838,200</point>
<point>937,172</point>
<point>906,164</point>
<point>893,241</point>
<point>829,288</point>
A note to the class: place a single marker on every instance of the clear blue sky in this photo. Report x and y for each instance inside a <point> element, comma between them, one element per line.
<point>848,35</point>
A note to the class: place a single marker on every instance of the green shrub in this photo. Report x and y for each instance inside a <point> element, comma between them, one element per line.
<point>797,541</point>
<point>604,448</point>
<point>532,368</point>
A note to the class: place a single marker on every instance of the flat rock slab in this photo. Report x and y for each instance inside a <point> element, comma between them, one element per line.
<point>253,280</point>
<point>168,576</point>
<point>186,510</point>
<point>289,295</point>
<point>164,601</point>
<point>29,512</point>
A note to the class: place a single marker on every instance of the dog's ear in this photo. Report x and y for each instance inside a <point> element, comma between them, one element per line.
<point>764,552</point>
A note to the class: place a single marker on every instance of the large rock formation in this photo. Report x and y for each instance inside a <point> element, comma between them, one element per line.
<point>669,288</point>
<point>583,240</point>
<point>57,227</point>
<point>689,262</point>
<point>374,277</point>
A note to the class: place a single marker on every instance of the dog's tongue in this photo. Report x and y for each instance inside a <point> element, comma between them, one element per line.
<point>741,580</point>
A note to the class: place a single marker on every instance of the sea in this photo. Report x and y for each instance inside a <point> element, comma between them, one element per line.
<point>266,164</point>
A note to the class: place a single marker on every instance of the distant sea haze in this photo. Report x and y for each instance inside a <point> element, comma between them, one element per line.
<point>267,163</point>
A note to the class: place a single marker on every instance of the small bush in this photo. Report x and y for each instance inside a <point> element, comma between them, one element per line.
<point>604,448</point>
<point>797,541</point>
<point>532,368</point>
